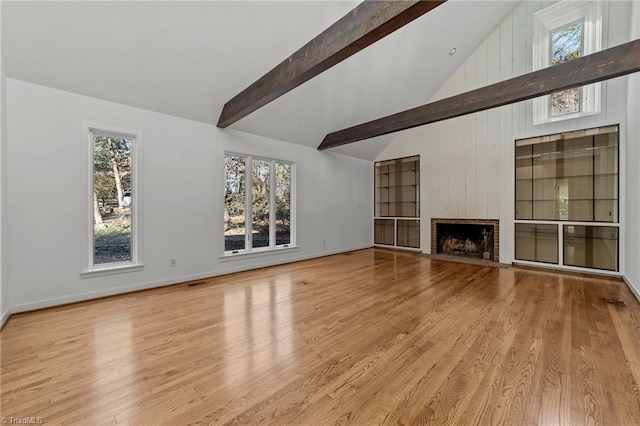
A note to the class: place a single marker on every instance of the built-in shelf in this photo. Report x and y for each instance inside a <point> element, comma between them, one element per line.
<point>571,177</point>
<point>554,178</point>
<point>574,199</point>
<point>392,202</point>
<point>580,151</point>
<point>397,202</point>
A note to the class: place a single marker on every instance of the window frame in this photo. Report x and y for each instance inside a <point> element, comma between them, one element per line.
<point>552,18</point>
<point>249,249</point>
<point>89,269</point>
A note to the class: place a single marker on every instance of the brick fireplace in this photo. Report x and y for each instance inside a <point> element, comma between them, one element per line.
<point>474,238</point>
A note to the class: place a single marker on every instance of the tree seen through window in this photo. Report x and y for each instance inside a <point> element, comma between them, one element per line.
<point>265,194</point>
<point>566,45</point>
<point>111,199</point>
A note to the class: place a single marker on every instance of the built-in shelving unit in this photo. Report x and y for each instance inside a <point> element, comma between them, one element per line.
<point>567,199</point>
<point>397,198</point>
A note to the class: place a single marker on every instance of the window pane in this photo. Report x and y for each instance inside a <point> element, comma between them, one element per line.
<point>111,199</point>
<point>260,210</point>
<point>234,203</point>
<point>283,204</point>
<point>591,246</point>
<point>565,102</point>
<point>566,45</point>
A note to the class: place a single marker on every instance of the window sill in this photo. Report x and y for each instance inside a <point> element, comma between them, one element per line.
<point>558,118</point>
<point>256,253</point>
<point>111,270</point>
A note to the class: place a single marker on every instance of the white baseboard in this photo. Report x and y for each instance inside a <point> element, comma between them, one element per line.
<point>5,317</point>
<point>563,268</point>
<point>633,289</point>
<point>49,303</point>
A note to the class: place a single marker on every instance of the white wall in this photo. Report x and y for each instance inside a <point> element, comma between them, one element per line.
<point>467,165</point>
<point>4,287</point>
<point>632,249</point>
<point>183,197</point>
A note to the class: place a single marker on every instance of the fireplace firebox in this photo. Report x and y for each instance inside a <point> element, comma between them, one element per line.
<point>474,238</point>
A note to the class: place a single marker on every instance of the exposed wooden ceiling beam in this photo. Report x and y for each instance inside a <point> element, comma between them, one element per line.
<point>364,25</point>
<point>610,63</point>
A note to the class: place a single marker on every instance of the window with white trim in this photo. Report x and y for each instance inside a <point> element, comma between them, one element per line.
<point>563,32</point>
<point>258,203</point>
<point>112,200</point>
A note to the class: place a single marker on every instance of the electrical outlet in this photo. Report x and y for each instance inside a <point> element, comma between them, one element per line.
<point>324,245</point>
<point>172,263</point>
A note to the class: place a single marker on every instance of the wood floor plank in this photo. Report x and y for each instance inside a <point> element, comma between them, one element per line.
<point>363,338</point>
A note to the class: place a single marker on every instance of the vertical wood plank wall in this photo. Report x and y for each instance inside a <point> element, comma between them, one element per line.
<point>632,160</point>
<point>467,166</point>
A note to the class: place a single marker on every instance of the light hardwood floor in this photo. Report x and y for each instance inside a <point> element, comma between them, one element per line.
<point>364,338</point>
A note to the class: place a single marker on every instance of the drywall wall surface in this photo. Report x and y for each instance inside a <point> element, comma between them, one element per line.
<point>4,286</point>
<point>183,175</point>
<point>632,160</point>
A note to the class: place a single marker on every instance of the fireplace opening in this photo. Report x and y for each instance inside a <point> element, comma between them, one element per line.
<point>466,239</point>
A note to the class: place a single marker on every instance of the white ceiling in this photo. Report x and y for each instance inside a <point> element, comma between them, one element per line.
<point>188,58</point>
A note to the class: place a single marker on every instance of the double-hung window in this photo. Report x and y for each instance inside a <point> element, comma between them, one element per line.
<point>258,204</point>
<point>111,197</point>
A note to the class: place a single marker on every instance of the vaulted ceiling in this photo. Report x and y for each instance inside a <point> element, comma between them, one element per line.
<point>188,58</point>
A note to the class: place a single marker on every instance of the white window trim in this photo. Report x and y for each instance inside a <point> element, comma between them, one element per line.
<point>249,251</point>
<point>552,18</point>
<point>88,268</point>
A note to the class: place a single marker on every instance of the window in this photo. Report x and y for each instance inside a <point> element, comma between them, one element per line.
<point>566,45</point>
<point>567,190</point>
<point>563,32</point>
<point>258,204</point>
<point>112,200</point>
